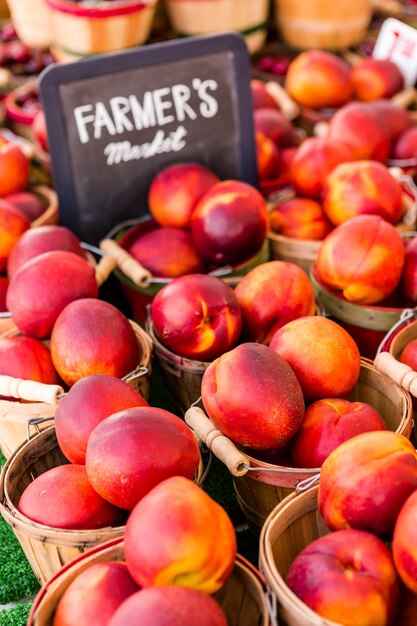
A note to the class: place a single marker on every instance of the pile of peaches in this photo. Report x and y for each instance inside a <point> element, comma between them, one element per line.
<point>199,223</point>
<point>343,171</point>
<point>365,571</point>
<point>179,549</point>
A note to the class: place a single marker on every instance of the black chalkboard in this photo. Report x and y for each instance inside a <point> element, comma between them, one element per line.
<point>115,120</point>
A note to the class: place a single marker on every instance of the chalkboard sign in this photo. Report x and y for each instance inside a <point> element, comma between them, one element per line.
<point>115,120</point>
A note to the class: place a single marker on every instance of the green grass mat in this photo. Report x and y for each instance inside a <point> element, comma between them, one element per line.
<point>17,616</point>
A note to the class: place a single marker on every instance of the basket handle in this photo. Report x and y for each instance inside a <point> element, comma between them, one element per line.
<point>400,373</point>
<point>224,449</point>
<point>388,7</point>
<point>287,105</point>
<point>29,390</point>
<point>104,268</point>
<point>126,263</point>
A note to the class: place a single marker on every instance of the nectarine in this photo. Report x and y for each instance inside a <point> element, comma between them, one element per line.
<point>323,355</point>
<point>177,534</point>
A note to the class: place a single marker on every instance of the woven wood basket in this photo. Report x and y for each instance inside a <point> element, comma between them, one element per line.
<point>32,21</point>
<point>17,417</point>
<point>200,17</point>
<point>294,524</point>
<point>241,597</point>
<point>259,485</point>
<point>80,30</point>
<point>138,284</point>
<point>183,376</point>
<point>46,548</point>
<point>323,23</point>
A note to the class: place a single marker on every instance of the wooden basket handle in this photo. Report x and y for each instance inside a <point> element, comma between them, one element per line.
<point>104,268</point>
<point>29,390</point>
<point>393,8</point>
<point>400,373</point>
<point>126,263</point>
<point>221,446</point>
<point>405,97</point>
<point>287,105</point>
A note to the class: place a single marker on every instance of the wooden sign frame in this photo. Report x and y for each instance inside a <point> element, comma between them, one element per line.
<point>83,199</point>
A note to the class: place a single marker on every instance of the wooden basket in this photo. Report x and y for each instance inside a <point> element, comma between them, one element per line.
<point>259,485</point>
<point>79,30</point>
<point>46,548</point>
<point>32,21</point>
<point>200,17</point>
<point>293,525</point>
<point>323,24</point>
<point>14,416</point>
<point>138,284</point>
<point>51,214</point>
<point>183,376</point>
<point>241,597</point>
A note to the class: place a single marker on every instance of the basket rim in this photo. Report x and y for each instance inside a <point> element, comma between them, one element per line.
<point>101,9</point>
<point>256,576</point>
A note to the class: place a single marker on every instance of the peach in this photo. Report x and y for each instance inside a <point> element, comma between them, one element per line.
<point>261,98</point>
<point>31,204</point>
<point>329,422</point>
<point>36,241</point>
<point>133,450</point>
<point>376,78</point>
<point>365,481</point>
<point>94,595</point>
<point>287,156</point>
<point>253,396</point>
<point>274,125</point>
<point>313,162</point>
<point>347,577</point>
<point>169,606</point>
<point>27,358</point>
<point>43,287</point>
<point>167,252</point>
<point>178,534</point>
<point>91,336</point>
<point>197,316</point>
<point>363,127</point>
<point>405,146</point>
<point>88,402</point>
<point>13,224</point>
<point>230,223</point>
<point>322,354</point>
<point>176,190</point>
<point>409,355</point>
<point>267,157</point>
<point>363,257</point>
<point>409,275</point>
<point>300,218</point>
<point>404,543</point>
<point>362,188</point>
<point>4,284</point>
<point>319,79</point>
<point>394,117</point>
<point>14,168</point>
<point>271,295</point>
<point>62,497</point>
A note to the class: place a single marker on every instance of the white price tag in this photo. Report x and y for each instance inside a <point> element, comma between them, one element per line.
<point>398,42</point>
